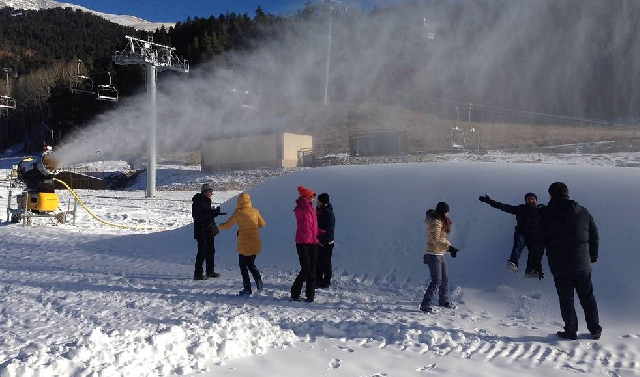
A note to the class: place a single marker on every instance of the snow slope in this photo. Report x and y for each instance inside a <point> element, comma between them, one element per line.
<point>135,22</point>
<point>92,300</point>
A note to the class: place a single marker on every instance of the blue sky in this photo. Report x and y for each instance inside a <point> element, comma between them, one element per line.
<point>176,10</point>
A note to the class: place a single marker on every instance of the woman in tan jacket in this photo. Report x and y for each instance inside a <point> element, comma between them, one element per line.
<point>248,220</point>
<point>438,226</point>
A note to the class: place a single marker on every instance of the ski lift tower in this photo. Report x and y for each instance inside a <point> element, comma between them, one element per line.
<point>155,57</point>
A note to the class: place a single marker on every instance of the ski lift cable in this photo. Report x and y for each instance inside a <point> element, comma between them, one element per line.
<point>506,111</point>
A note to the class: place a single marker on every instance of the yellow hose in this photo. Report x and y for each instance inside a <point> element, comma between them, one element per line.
<point>96,217</point>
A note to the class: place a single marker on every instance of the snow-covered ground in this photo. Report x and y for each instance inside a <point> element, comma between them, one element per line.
<point>91,300</point>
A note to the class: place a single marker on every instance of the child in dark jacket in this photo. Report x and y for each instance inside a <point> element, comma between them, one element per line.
<point>326,225</point>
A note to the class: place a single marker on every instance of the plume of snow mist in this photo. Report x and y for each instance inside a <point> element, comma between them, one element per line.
<point>536,55</point>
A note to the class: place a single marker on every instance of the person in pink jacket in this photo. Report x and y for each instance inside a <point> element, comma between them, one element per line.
<point>306,244</point>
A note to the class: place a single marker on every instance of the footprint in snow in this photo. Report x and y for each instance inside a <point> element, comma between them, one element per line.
<point>346,349</point>
<point>426,368</point>
<point>335,363</point>
<point>569,367</point>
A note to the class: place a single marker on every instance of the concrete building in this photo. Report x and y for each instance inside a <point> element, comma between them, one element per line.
<point>378,143</point>
<point>281,149</point>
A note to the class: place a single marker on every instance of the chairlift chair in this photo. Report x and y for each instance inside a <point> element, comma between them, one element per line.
<point>107,92</point>
<point>7,102</point>
<point>429,29</point>
<point>82,84</point>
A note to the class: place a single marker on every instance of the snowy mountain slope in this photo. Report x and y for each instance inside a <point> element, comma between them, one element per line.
<point>125,20</point>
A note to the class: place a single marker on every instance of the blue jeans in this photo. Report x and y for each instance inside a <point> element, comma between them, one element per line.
<point>439,280</point>
<point>520,241</point>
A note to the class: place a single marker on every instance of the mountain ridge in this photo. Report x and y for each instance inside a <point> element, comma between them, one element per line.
<point>125,20</point>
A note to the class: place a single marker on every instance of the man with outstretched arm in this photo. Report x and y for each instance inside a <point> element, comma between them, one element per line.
<point>527,219</point>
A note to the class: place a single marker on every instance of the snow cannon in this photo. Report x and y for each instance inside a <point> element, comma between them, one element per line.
<point>39,198</point>
<point>37,174</point>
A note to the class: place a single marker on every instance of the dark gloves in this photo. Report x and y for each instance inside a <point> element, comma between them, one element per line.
<point>216,211</point>
<point>453,251</point>
<point>594,260</point>
<point>484,199</point>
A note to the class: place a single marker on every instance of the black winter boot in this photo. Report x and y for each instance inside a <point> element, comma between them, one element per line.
<point>567,335</point>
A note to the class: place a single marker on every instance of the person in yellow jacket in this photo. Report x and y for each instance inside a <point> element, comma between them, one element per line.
<point>248,220</point>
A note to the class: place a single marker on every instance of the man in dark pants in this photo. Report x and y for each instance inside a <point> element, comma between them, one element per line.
<point>527,219</point>
<point>326,225</point>
<point>570,235</point>
<point>203,215</point>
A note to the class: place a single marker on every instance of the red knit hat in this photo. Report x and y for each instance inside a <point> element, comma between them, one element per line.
<point>305,192</point>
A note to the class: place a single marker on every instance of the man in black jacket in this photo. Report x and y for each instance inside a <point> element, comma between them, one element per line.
<point>203,215</point>
<point>570,236</point>
<point>326,226</point>
<point>527,219</point>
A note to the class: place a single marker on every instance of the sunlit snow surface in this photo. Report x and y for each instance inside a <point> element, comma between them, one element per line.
<point>95,300</point>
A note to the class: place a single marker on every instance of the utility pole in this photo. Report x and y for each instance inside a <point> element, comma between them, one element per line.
<point>470,106</point>
<point>326,80</point>
<point>330,5</point>
<point>155,57</point>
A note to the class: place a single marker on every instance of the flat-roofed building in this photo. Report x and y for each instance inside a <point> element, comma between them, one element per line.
<point>279,149</point>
